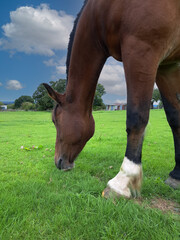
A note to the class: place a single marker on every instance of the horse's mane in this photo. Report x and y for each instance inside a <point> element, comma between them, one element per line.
<point>71,38</point>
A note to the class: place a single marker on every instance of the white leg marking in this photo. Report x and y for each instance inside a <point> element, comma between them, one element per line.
<point>128,181</point>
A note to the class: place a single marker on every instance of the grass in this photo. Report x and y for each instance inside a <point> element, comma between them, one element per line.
<point>37,201</point>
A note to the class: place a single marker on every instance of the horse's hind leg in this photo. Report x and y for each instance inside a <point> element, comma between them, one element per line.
<point>168,82</point>
<point>140,63</point>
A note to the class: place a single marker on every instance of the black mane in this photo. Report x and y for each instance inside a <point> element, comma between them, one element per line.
<point>71,38</point>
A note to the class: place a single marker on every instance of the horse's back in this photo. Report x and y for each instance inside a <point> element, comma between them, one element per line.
<point>151,21</point>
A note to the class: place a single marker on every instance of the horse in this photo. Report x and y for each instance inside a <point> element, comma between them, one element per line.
<point>145,36</point>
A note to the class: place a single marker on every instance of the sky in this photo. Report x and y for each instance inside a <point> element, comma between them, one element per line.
<point>34,35</point>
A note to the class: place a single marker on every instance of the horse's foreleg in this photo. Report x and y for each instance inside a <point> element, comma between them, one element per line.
<point>140,77</point>
<point>168,82</point>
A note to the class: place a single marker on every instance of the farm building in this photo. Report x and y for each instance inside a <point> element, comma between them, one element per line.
<point>116,106</point>
<point>3,107</point>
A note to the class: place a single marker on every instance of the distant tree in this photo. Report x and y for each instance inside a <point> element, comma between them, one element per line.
<point>1,103</point>
<point>156,97</point>
<point>10,106</point>
<point>27,106</point>
<point>160,105</point>
<point>59,86</point>
<point>98,102</point>
<point>18,102</point>
<point>41,97</point>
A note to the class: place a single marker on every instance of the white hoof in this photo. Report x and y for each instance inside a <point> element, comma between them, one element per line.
<point>127,182</point>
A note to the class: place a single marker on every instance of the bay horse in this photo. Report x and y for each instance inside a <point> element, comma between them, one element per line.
<point>145,36</point>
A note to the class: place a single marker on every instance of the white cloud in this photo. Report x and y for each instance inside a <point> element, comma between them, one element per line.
<point>113,79</point>
<point>120,101</point>
<point>14,85</point>
<point>0,84</point>
<point>155,86</point>
<point>61,70</point>
<point>38,30</point>
<point>60,67</point>
<point>50,63</point>
<point>112,76</point>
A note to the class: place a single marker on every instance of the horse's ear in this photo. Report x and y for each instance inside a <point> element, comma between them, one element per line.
<point>53,94</point>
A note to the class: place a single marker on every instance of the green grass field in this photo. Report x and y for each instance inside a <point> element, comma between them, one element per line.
<point>37,201</point>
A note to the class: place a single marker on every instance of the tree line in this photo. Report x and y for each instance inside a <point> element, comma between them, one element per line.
<point>41,101</point>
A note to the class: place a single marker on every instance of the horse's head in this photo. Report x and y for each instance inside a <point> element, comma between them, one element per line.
<point>73,130</point>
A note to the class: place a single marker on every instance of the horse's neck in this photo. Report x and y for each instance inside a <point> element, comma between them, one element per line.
<point>87,60</point>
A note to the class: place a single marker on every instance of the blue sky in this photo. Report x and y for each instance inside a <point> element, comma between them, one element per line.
<point>33,46</point>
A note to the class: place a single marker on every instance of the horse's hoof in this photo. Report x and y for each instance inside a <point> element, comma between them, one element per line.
<point>127,183</point>
<point>109,193</point>
<point>174,183</point>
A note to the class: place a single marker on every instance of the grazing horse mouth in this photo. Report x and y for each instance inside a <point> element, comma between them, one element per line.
<point>64,165</point>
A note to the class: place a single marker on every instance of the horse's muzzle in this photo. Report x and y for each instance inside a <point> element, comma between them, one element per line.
<point>64,164</point>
